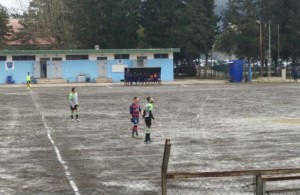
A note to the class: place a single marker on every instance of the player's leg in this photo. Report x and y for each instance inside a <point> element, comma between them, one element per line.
<point>135,122</point>
<point>77,112</point>
<point>72,113</point>
<point>132,129</point>
<point>148,125</point>
<point>28,86</point>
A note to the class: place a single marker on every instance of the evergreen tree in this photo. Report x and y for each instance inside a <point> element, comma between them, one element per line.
<point>197,28</point>
<point>159,21</point>
<point>285,14</point>
<point>5,30</point>
<point>241,29</point>
<point>109,24</point>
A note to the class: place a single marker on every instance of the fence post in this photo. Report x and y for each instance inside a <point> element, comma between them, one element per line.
<point>164,169</point>
<point>260,185</point>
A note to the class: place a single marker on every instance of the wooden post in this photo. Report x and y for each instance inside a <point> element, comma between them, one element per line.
<point>164,169</point>
<point>260,185</point>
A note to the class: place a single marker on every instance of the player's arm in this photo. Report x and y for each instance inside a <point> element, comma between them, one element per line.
<point>151,114</point>
<point>130,110</point>
<point>140,110</point>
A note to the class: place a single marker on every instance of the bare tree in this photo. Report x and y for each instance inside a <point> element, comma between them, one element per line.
<point>45,22</point>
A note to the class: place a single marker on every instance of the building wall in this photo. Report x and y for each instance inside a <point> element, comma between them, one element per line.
<point>72,68</point>
<point>21,68</point>
<point>167,71</point>
<point>117,76</point>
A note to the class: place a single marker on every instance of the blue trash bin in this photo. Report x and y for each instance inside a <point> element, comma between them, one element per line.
<point>9,79</point>
<point>236,71</point>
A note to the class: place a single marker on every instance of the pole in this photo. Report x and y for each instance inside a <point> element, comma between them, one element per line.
<point>262,57</point>
<point>270,55</point>
<point>278,46</point>
<point>164,169</point>
<point>260,185</point>
<point>261,48</point>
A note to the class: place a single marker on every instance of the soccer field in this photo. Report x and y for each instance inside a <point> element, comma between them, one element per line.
<point>212,128</point>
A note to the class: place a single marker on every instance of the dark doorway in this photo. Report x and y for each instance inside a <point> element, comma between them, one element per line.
<point>43,64</point>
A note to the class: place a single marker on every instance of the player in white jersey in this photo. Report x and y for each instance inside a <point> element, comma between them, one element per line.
<point>74,103</point>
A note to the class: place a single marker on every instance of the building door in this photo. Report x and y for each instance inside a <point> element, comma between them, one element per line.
<point>57,69</point>
<point>37,70</point>
<point>43,67</point>
<point>54,69</point>
<point>102,68</point>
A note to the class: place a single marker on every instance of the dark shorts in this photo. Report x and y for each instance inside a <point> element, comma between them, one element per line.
<point>74,108</point>
<point>135,120</point>
<point>148,121</point>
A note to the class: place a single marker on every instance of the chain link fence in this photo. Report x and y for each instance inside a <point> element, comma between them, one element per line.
<point>247,182</point>
<point>125,187</point>
<point>221,71</point>
<point>212,186</point>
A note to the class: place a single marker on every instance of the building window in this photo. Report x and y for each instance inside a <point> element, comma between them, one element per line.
<point>141,58</point>
<point>101,58</point>
<point>2,58</point>
<point>56,59</point>
<point>77,57</point>
<point>161,55</point>
<point>121,56</point>
<point>44,59</point>
<point>23,58</point>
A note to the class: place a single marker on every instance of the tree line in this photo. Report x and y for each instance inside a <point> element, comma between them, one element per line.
<point>191,25</point>
<point>249,26</point>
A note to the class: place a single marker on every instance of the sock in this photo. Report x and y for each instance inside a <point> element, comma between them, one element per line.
<point>135,129</point>
<point>71,116</point>
<point>76,116</point>
<point>147,138</point>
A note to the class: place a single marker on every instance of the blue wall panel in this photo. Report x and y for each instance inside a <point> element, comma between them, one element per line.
<point>72,68</point>
<point>18,74</point>
<point>2,72</point>
<point>21,70</point>
<point>117,76</point>
<point>167,71</point>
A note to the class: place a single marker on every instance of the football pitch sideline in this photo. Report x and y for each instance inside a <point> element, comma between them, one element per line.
<point>212,128</point>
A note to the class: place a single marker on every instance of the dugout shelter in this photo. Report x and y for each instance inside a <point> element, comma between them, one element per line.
<point>145,75</point>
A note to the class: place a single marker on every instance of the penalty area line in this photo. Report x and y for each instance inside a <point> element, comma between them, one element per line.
<point>58,154</point>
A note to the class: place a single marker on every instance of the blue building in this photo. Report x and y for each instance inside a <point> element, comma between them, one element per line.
<point>82,65</point>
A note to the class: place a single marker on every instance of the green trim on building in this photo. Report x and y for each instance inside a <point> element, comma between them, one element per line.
<point>87,51</point>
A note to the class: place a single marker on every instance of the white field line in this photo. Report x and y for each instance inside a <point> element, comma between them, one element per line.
<point>59,157</point>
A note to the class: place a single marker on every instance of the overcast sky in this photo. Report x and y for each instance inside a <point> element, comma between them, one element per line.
<point>15,4</point>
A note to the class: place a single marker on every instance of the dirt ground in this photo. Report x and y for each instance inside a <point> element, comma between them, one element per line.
<point>220,127</point>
